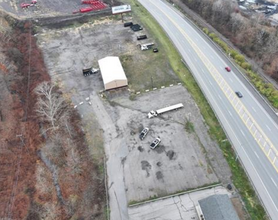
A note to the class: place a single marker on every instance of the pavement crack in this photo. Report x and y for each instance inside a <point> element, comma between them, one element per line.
<point>176,203</point>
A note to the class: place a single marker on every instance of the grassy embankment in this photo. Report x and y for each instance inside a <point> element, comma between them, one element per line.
<point>240,179</point>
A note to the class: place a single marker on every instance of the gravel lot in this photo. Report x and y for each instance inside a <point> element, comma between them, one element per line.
<point>184,160</point>
<point>178,163</point>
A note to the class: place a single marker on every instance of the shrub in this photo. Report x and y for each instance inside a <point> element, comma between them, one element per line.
<point>239,58</point>
<point>223,45</point>
<point>273,98</point>
<point>206,31</point>
<point>212,35</point>
<point>246,66</point>
<point>233,53</point>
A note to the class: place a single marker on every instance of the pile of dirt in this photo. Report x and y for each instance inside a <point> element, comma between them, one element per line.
<point>64,183</point>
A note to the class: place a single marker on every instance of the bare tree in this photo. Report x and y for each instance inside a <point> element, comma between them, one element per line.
<point>51,106</point>
<point>237,22</point>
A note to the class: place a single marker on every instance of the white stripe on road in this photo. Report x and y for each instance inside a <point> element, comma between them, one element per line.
<point>256,154</point>
<point>268,128</point>
<point>231,80</point>
<point>230,113</point>
<point>258,176</point>
<point>219,97</point>
<point>242,133</point>
<point>254,109</point>
<point>273,181</point>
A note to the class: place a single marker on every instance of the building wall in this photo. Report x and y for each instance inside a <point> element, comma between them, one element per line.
<point>115,84</point>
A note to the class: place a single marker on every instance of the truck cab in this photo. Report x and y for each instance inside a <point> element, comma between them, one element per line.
<point>152,114</point>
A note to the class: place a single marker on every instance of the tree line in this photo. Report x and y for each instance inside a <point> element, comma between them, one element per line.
<point>251,33</point>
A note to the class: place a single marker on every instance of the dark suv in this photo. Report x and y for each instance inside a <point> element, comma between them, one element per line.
<point>239,94</point>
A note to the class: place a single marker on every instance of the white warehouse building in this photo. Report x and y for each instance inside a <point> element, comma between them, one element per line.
<point>112,72</point>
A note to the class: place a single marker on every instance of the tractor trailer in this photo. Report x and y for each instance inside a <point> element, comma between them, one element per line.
<point>153,113</point>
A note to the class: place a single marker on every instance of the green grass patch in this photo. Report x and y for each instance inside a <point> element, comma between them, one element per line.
<point>189,127</point>
<point>240,179</point>
<point>151,198</point>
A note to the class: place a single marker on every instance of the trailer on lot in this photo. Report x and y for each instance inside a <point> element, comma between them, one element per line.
<point>153,113</point>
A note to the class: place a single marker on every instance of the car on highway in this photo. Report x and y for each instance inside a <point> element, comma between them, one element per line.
<point>239,94</point>
<point>155,143</point>
<point>228,69</point>
<point>143,133</point>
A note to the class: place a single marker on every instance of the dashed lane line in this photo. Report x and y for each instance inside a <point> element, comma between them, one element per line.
<point>254,129</point>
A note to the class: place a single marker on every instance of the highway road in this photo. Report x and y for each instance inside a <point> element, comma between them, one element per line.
<point>250,128</point>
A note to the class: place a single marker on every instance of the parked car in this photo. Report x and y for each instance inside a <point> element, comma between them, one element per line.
<point>239,94</point>
<point>142,37</point>
<point>136,27</point>
<point>143,133</point>
<point>155,50</point>
<point>155,143</point>
<point>128,24</point>
<point>228,69</point>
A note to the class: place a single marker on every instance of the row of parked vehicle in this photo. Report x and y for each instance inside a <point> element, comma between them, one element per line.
<point>144,133</point>
<point>137,27</point>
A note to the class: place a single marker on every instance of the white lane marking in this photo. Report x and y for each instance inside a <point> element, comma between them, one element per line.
<point>242,133</point>
<point>203,70</point>
<point>273,181</point>
<point>219,97</point>
<point>254,109</point>
<point>260,179</point>
<point>195,59</point>
<point>255,171</point>
<point>268,128</point>
<point>230,113</point>
<point>231,80</point>
<point>254,99</point>
<point>210,82</point>
<point>256,154</point>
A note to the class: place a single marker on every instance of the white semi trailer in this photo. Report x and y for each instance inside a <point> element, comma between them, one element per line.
<point>153,113</point>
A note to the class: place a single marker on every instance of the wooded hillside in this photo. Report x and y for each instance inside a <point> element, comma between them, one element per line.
<point>252,34</point>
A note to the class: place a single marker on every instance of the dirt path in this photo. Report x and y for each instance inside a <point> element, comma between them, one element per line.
<point>114,153</point>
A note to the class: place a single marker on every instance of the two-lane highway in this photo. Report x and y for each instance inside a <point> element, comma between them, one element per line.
<point>253,133</point>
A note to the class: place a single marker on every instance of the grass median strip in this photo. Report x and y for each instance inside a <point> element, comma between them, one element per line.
<point>240,180</point>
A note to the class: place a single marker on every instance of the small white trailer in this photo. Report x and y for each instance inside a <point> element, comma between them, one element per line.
<point>153,113</point>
